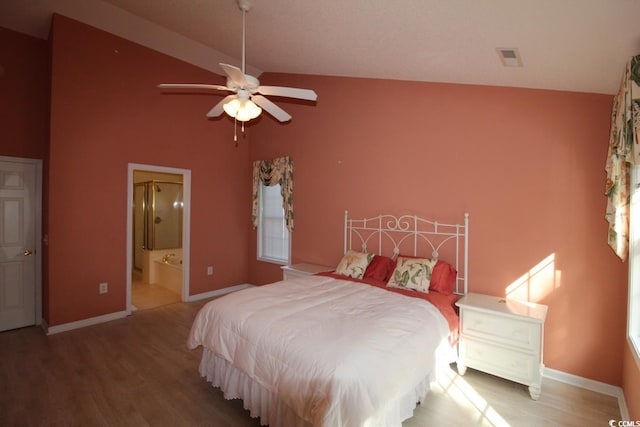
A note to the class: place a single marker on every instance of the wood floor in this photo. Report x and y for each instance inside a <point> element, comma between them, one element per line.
<point>138,372</point>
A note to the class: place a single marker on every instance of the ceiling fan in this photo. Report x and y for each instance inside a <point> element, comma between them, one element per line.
<point>247,101</point>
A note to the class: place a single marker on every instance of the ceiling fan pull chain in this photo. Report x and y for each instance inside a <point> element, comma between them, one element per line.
<point>235,131</point>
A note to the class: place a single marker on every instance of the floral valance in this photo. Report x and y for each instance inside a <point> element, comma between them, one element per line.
<point>272,172</point>
<point>624,143</point>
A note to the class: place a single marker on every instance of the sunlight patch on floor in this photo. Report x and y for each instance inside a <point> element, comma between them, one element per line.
<point>466,397</point>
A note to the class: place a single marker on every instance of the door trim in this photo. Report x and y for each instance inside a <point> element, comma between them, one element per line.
<point>37,228</point>
<point>186,224</point>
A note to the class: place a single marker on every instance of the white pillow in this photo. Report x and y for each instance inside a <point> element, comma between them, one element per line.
<point>412,273</point>
<point>353,264</point>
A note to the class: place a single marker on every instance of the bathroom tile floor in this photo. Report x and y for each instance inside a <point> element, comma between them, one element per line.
<point>145,296</point>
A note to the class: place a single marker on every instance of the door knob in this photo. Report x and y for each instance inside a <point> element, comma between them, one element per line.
<point>27,252</point>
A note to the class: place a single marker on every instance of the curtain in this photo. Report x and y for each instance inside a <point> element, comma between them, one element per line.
<point>272,172</point>
<point>623,152</point>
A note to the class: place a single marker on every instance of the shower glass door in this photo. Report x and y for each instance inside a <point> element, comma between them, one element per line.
<point>164,207</point>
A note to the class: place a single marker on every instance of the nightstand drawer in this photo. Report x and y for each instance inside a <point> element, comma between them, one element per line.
<point>505,363</point>
<point>500,329</point>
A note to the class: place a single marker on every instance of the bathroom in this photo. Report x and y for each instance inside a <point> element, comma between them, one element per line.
<point>157,239</point>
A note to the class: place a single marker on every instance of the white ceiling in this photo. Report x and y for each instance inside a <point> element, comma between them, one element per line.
<point>573,45</point>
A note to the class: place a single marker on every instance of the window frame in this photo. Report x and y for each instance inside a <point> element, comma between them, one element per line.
<point>633,312</point>
<point>261,209</point>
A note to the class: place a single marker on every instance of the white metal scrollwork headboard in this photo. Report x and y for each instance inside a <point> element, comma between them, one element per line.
<point>411,235</point>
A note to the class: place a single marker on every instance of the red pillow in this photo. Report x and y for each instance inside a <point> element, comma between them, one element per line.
<point>380,268</point>
<point>443,278</point>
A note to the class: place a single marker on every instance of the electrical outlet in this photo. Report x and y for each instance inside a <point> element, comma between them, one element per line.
<point>210,270</point>
<point>104,287</point>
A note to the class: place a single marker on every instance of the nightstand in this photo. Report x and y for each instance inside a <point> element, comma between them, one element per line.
<point>303,269</point>
<point>502,337</point>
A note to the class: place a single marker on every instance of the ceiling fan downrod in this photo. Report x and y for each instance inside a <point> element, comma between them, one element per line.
<point>245,6</point>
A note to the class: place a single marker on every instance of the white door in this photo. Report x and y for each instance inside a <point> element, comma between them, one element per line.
<point>17,245</point>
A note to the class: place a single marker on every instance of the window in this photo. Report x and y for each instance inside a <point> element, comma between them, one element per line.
<point>273,236</point>
<point>633,322</point>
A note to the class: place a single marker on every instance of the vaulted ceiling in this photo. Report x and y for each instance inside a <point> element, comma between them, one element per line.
<point>573,45</point>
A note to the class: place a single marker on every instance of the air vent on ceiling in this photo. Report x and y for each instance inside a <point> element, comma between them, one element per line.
<point>510,57</point>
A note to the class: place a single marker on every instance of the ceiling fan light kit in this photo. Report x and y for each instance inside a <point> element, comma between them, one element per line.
<point>248,101</point>
<point>242,111</point>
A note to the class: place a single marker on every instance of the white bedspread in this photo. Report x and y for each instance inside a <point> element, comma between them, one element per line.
<point>336,352</point>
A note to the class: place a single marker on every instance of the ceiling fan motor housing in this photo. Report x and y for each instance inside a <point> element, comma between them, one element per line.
<point>252,84</point>
<point>243,95</point>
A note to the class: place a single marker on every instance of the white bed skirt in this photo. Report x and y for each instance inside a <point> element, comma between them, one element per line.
<point>262,403</point>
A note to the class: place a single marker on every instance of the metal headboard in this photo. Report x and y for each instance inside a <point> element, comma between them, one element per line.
<point>411,235</point>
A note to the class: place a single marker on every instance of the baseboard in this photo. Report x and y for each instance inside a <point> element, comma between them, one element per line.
<point>50,330</point>
<point>218,292</point>
<point>592,385</point>
<point>624,411</point>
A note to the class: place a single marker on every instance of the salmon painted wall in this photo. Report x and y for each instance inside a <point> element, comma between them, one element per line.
<point>24,108</point>
<point>106,112</point>
<point>24,88</point>
<point>528,165</point>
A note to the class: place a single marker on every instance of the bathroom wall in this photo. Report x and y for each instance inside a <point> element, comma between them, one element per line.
<point>145,175</point>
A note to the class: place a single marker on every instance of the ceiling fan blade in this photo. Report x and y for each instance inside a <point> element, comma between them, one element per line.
<point>271,108</point>
<point>289,92</point>
<point>218,109</point>
<point>235,74</point>
<point>192,86</point>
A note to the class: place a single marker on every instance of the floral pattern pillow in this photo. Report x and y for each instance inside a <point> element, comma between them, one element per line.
<point>353,264</point>
<point>412,273</point>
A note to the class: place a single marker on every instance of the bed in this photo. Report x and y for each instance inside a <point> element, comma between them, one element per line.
<point>343,348</point>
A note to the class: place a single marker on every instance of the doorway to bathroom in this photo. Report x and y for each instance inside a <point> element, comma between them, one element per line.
<point>157,227</point>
